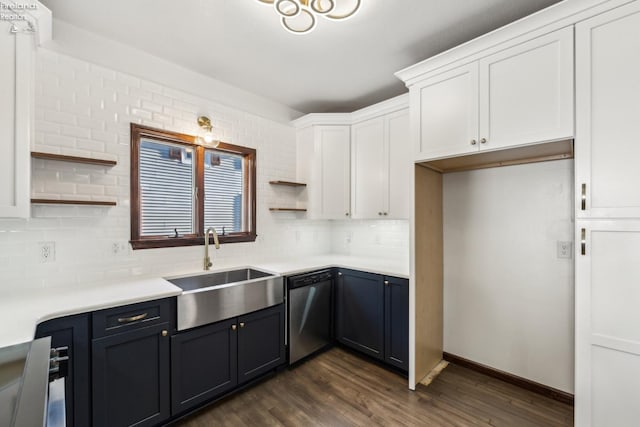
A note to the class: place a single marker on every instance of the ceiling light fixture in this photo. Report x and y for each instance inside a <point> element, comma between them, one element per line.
<point>205,136</point>
<point>299,16</point>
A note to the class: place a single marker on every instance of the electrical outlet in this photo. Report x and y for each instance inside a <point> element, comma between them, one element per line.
<point>118,248</point>
<point>565,249</point>
<point>47,252</point>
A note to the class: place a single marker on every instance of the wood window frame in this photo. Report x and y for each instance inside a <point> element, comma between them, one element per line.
<point>139,132</point>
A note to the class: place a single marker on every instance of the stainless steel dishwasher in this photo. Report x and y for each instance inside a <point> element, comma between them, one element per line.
<point>309,313</point>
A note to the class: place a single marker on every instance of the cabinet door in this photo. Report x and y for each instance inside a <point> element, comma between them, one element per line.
<point>334,149</point>
<point>526,92</point>
<point>369,169</point>
<point>360,312</point>
<point>260,342</point>
<point>16,94</point>
<point>131,378</point>
<point>396,328</point>
<point>73,332</point>
<point>608,114</point>
<point>448,118</point>
<point>400,162</point>
<point>607,318</point>
<point>203,364</point>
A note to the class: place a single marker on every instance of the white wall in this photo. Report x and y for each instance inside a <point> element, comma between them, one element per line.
<point>508,299</point>
<point>85,109</point>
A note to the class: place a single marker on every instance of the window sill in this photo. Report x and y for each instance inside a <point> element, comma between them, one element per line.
<point>175,242</point>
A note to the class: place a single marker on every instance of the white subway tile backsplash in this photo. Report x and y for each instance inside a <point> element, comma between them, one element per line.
<point>67,90</point>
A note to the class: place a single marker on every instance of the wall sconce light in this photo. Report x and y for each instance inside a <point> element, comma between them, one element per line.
<point>205,136</point>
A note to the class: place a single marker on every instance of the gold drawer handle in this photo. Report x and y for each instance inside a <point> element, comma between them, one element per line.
<point>132,318</point>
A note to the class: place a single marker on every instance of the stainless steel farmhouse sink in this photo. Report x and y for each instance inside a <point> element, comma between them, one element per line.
<point>207,298</point>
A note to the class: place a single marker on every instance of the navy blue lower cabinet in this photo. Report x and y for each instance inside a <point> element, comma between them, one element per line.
<point>73,332</point>
<point>360,311</point>
<point>203,364</point>
<point>396,329</point>
<point>131,377</point>
<point>260,342</point>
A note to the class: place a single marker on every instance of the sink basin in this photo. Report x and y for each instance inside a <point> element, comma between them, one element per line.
<point>212,297</point>
<point>204,281</point>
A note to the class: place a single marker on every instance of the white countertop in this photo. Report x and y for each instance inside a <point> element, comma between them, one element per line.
<point>22,310</point>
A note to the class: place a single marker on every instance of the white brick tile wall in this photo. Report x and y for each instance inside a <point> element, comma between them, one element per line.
<point>83,109</point>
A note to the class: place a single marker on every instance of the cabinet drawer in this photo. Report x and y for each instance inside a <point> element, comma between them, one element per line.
<point>129,317</point>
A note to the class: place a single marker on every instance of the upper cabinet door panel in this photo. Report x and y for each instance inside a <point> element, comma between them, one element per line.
<point>369,169</point>
<point>608,114</point>
<point>16,84</point>
<point>400,165</point>
<point>335,170</point>
<point>448,118</point>
<point>526,92</point>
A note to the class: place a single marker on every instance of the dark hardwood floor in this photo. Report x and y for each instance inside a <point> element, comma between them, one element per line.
<point>338,388</point>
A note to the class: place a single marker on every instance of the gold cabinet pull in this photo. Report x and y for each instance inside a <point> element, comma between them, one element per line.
<point>132,318</point>
<point>386,282</point>
<point>583,241</point>
<point>165,333</point>
<point>242,324</point>
<point>233,327</point>
<point>584,197</point>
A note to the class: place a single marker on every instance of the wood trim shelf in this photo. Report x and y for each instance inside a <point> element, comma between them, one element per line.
<point>288,183</point>
<point>72,202</point>
<point>74,159</point>
<point>287,210</point>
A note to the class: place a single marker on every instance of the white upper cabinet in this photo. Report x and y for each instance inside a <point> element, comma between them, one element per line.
<point>448,119</point>
<point>16,95</point>
<point>380,167</point>
<point>323,158</point>
<point>608,114</point>
<point>520,95</point>
<point>526,92</point>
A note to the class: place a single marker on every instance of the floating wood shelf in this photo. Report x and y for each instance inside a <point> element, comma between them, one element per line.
<point>74,159</point>
<point>287,210</point>
<point>72,202</point>
<point>288,183</point>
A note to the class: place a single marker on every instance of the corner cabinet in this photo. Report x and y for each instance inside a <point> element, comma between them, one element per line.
<point>16,120</point>
<point>380,167</point>
<point>517,96</point>
<point>323,161</point>
<point>372,315</point>
<point>608,218</point>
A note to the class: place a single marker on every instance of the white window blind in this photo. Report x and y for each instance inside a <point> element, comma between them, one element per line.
<point>224,191</point>
<point>166,187</point>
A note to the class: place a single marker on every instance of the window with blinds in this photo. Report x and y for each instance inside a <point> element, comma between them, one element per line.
<point>180,188</point>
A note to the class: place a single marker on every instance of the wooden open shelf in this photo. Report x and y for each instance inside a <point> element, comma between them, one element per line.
<point>287,210</point>
<point>288,183</point>
<point>72,202</point>
<point>74,159</point>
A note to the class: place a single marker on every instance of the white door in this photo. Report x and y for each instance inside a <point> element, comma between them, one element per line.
<point>607,324</point>
<point>448,118</point>
<point>16,76</point>
<point>335,157</point>
<point>526,92</point>
<point>400,165</point>
<point>608,114</point>
<point>369,169</point>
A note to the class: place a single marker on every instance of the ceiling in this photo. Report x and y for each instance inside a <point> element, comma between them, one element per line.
<point>339,67</point>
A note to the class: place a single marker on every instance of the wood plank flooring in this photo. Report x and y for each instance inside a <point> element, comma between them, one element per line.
<point>338,388</point>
